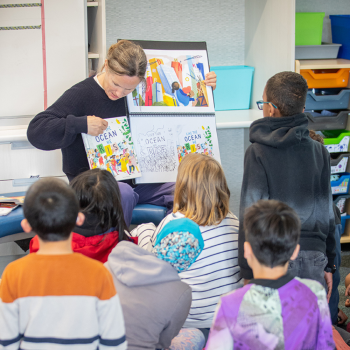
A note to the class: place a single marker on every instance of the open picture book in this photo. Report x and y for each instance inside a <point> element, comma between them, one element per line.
<point>172,112</point>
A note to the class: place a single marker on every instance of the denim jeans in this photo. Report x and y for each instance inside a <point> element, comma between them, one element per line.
<point>309,264</point>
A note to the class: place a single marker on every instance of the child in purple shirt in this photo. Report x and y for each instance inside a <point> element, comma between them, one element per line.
<point>275,310</point>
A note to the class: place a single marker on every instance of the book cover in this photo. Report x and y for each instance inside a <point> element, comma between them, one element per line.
<point>174,83</point>
<point>113,150</point>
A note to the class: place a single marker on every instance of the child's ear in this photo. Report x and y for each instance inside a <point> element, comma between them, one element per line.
<point>272,110</point>
<point>25,225</point>
<point>247,250</point>
<point>295,253</point>
<point>80,219</point>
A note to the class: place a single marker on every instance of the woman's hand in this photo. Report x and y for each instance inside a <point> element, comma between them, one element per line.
<point>210,80</point>
<point>96,125</point>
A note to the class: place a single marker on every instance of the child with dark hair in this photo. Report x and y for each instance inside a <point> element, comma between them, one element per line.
<point>104,226</point>
<point>285,164</point>
<point>57,299</point>
<point>275,310</point>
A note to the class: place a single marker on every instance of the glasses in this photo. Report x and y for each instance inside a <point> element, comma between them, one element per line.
<point>260,104</point>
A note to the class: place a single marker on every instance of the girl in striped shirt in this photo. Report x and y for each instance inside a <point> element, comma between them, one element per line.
<point>202,195</point>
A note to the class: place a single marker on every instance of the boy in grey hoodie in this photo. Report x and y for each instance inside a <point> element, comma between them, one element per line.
<point>155,302</point>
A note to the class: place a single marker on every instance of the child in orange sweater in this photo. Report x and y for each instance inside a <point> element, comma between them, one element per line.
<point>56,298</point>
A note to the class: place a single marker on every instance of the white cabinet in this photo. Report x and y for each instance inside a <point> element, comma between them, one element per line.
<point>40,65</point>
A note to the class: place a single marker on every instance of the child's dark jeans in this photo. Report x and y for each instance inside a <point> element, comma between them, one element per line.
<point>309,264</point>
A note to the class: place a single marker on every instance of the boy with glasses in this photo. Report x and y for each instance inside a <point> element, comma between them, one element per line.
<point>285,164</point>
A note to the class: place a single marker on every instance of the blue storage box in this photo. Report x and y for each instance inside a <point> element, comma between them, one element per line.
<point>234,86</point>
<point>343,222</point>
<point>341,34</point>
<point>341,186</point>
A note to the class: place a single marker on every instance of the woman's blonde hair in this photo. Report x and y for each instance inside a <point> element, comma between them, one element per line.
<point>201,191</point>
<point>127,58</point>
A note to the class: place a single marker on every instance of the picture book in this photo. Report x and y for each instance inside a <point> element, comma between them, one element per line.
<point>172,111</point>
<point>162,143</point>
<point>7,204</point>
<point>113,150</point>
<point>174,82</point>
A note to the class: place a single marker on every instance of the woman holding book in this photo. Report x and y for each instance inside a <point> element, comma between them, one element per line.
<point>83,108</point>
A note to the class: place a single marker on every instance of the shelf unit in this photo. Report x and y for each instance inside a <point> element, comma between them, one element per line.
<point>321,64</point>
<point>328,64</point>
<point>96,35</point>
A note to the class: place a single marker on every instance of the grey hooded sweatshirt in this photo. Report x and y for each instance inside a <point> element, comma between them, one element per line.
<point>155,302</point>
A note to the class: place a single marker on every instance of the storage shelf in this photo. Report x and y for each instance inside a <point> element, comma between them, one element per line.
<point>345,239</point>
<point>321,64</point>
<point>93,55</point>
<point>92,4</point>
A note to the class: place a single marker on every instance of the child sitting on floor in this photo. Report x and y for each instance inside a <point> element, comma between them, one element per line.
<point>202,195</point>
<point>155,302</point>
<point>104,224</point>
<point>275,310</point>
<point>57,299</point>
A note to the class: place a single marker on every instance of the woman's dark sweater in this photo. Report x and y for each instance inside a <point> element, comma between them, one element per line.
<point>60,126</point>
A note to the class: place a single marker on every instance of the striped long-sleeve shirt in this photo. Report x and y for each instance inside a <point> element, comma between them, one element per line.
<point>215,271</point>
<point>59,302</point>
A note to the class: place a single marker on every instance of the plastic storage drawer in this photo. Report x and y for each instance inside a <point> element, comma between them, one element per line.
<point>340,164</point>
<point>311,52</point>
<point>326,78</point>
<point>341,34</point>
<point>319,123</point>
<point>235,87</point>
<point>333,99</point>
<point>338,144</point>
<point>308,28</point>
<point>341,186</point>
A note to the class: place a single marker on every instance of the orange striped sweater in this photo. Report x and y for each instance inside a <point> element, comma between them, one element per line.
<point>59,302</point>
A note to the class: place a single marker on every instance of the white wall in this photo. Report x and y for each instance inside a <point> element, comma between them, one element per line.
<point>219,23</point>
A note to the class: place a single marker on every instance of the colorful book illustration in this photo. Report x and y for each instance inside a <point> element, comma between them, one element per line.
<point>113,150</point>
<point>174,83</point>
<point>172,112</point>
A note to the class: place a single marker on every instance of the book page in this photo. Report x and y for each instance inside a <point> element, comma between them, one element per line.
<point>174,83</point>
<point>113,150</point>
<point>161,142</point>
